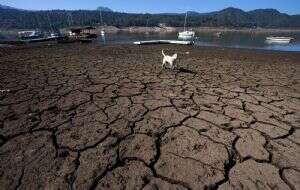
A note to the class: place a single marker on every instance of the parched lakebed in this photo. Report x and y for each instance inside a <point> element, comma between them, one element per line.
<point>109,117</point>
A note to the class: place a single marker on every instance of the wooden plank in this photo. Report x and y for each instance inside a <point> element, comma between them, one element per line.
<point>163,42</point>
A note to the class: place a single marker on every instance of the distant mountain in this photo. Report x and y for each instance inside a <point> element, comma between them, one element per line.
<point>11,18</point>
<point>232,17</point>
<point>104,9</point>
<point>269,17</point>
<point>6,7</point>
<point>193,13</point>
<point>265,11</point>
<point>190,13</point>
<point>260,17</point>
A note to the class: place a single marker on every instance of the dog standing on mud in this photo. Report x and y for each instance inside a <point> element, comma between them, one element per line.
<point>171,60</point>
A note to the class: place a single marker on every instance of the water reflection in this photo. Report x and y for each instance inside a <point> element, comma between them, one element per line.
<point>249,40</point>
<point>102,39</point>
<point>227,39</point>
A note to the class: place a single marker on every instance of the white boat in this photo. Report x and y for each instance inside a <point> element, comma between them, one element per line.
<point>102,33</point>
<point>186,35</point>
<point>282,40</point>
<point>30,34</point>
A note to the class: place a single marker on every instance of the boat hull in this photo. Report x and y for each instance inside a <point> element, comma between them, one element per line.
<point>186,35</point>
<point>280,40</point>
<point>42,39</point>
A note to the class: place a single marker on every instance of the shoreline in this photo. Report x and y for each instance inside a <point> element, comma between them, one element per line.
<point>210,51</point>
<point>14,44</point>
<point>137,29</point>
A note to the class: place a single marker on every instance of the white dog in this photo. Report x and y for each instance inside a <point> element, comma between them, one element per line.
<point>169,59</point>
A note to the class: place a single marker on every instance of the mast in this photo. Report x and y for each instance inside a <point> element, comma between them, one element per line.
<point>50,23</point>
<point>101,20</point>
<point>185,21</point>
<point>147,22</point>
<point>86,20</point>
<point>70,18</point>
<point>37,20</point>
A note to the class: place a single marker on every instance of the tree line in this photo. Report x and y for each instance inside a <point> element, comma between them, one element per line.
<point>55,19</point>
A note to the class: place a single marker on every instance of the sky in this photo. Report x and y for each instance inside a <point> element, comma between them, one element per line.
<point>157,6</point>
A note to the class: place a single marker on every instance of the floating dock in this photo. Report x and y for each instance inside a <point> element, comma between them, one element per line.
<point>163,42</point>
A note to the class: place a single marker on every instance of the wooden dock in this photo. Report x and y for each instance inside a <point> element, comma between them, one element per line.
<point>163,42</point>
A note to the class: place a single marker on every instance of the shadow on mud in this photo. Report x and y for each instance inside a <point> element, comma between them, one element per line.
<point>184,70</point>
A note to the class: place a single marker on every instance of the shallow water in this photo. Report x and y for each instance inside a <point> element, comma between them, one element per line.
<point>228,39</point>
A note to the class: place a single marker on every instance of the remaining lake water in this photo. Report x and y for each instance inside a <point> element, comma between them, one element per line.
<point>227,39</point>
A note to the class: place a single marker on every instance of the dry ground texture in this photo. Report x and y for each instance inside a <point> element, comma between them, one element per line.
<point>92,117</point>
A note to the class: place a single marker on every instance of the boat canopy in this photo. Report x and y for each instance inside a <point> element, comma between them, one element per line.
<point>80,29</point>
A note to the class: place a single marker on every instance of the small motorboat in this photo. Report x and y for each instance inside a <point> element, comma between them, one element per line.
<point>31,34</point>
<point>102,33</point>
<point>281,40</point>
<point>36,36</point>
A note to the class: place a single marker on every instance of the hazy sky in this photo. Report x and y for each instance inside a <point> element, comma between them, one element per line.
<point>157,6</point>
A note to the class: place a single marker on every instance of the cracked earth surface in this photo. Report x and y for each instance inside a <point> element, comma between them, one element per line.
<point>91,117</point>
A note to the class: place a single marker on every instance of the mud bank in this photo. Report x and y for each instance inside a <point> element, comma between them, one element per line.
<point>92,117</point>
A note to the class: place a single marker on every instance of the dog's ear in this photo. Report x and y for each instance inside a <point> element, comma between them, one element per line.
<point>175,56</point>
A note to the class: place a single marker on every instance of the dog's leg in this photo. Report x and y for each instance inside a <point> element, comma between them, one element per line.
<point>172,65</point>
<point>163,64</point>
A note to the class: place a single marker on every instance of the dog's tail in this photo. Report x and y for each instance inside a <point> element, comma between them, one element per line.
<point>162,52</point>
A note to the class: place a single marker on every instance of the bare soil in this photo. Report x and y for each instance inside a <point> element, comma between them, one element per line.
<point>109,117</point>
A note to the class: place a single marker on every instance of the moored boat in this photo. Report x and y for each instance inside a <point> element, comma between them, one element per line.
<point>284,40</point>
<point>186,34</point>
<point>30,34</point>
<point>33,36</point>
<point>83,32</point>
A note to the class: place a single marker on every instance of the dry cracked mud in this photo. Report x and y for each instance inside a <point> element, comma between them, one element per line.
<point>109,117</point>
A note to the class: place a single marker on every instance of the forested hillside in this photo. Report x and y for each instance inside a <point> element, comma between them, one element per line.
<point>11,18</point>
